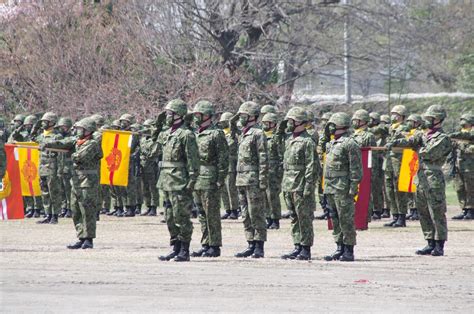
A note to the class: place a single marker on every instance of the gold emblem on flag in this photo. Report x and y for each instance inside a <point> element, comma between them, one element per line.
<point>29,171</point>
<point>114,159</point>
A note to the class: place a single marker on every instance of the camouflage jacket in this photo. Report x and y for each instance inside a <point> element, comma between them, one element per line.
<point>19,135</point>
<point>463,143</point>
<point>179,166</point>
<point>395,132</point>
<point>298,163</point>
<point>343,166</point>
<point>381,134</point>
<point>149,155</point>
<point>252,162</point>
<point>275,157</point>
<point>233,147</point>
<point>65,165</point>
<point>48,160</point>
<point>213,158</point>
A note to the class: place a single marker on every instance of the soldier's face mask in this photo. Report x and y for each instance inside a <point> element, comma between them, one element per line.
<point>64,130</point>
<point>355,123</point>
<point>243,119</point>
<point>291,125</point>
<point>267,126</point>
<point>124,124</point>
<point>45,125</point>
<point>27,127</point>
<point>332,128</point>
<point>17,124</point>
<point>395,118</point>
<point>81,133</point>
<point>411,124</point>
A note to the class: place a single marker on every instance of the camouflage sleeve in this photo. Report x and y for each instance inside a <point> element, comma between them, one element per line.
<point>438,150</point>
<point>16,136</point>
<point>66,143</point>
<point>89,154</point>
<point>192,157</point>
<point>310,160</point>
<point>261,142</point>
<point>223,157</point>
<point>467,136</point>
<point>355,165</point>
<point>415,141</point>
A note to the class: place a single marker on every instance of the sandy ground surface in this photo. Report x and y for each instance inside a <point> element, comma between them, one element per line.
<point>122,273</point>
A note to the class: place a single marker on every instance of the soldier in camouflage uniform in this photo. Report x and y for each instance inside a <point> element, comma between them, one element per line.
<point>86,156</point>
<point>275,170</point>
<point>179,169</point>
<point>213,157</point>
<point>311,129</point>
<point>18,130</point>
<point>138,129</point>
<point>299,179</point>
<point>3,157</point>
<point>252,179</point>
<point>342,174</point>
<point>117,193</point>
<point>321,149</point>
<point>432,147</point>
<point>149,156</point>
<point>397,201</point>
<point>463,142</point>
<point>229,195</point>
<point>414,123</point>
<point>48,169</point>
<point>64,126</point>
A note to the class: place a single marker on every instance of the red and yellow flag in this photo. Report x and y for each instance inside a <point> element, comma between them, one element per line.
<point>11,201</point>
<point>408,170</point>
<point>114,165</point>
<point>29,169</point>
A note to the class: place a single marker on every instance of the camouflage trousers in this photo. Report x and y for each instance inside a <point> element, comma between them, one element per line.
<point>178,215</point>
<point>230,199</point>
<point>431,204</point>
<point>32,202</point>
<point>397,201</point>
<point>131,193</point>
<point>411,200</point>
<point>50,194</point>
<point>117,194</point>
<point>252,202</point>
<point>377,186</point>
<point>342,214</point>
<point>301,214</point>
<point>464,185</point>
<point>65,181</point>
<point>207,202</point>
<point>85,204</point>
<point>104,196</point>
<point>272,200</point>
<point>151,196</point>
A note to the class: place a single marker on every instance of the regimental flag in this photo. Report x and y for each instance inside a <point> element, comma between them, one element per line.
<point>29,169</point>
<point>408,170</point>
<point>114,165</point>
<point>362,200</point>
<point>11,201</point>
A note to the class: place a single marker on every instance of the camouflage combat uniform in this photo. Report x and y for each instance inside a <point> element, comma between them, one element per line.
<point>149,156</point>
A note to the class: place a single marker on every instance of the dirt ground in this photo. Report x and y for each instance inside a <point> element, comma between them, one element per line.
<point>122,273</point>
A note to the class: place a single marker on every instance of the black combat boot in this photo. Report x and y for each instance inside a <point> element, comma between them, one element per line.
<point>104,211</point>
<point>259,251</point>
<point>248,251</point>
<point>174,252</point>
<point>348,255</point>
<point>152,211</point>
<point>54,219</point>
<point>286,215</point>
<point>427,249</point>
<point>377,215</point>
<point>469,214</point>
<point>214,251</point>
<point>401,221</point>
<point>394,220</point>
<point>130,212</point>
<point>201,251</point>
<point>461,215</point>
<point>183,255</point>
<point>386,213</point>
<point>234,214</point>
<point>415,216</point>
<point>323,216</point>
<point>62,214</point>
<point>269,222</point>
<point>305,254</point>
<point>37,213</point>
<point>30,213</point>
<point>76,245</point>
<point>87,244</point>
<point>293,254</point>
<point>337,254</point>
<point>275,224</point>
<point>226,215</point>
<point>138,209</point>
<point>439,248</point>
<point>114,212</point>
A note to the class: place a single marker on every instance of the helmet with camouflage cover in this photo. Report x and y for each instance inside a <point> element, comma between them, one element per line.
<point>297,114</point>
<point>270,117</point>
<point>468,117</point>
<point>115,124</point>
<point>415,118</point>
<point>19,117</point>
<point>385,118</point>
<point>31,119</point>
<point>399,109</point>
<point>226,116</point>
<point>204,107</point>
<point>148,123</point>
<point>87,124</point>
<point>136,127</point>
<point>310,115</point>
<point>98,118</point>
<point>50,117</point>
<point>375,116</point>
<point>64,121</point>
<point>326,116</point>
<point>435,111</point>
<point>268,109</point>
<point>340,119</point>
<point>127,117</point>
<point>178,106</point>
<point>362,115</point>
<point>250,108</point>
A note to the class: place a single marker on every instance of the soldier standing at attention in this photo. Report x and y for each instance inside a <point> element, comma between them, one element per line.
<point>64,126</point>
<point>213,160</point>
<point>433,147</point>
<point>342,174</point>
<point>3,157</point>
<point>299,179</point>
<point>179,171</point>
<point>252,180</point>
<point>414,122</point>
<point>377,186</point>
<point>321,149</point>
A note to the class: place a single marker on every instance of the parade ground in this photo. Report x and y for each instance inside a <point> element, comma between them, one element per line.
<point>123,274</point>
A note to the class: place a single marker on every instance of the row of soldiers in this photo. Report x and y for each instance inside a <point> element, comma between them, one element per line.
<point>250,157</point>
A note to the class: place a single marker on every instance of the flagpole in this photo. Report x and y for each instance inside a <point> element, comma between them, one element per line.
<point>57,150</point>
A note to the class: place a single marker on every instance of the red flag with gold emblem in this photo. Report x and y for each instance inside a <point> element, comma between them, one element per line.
<point>114,165</point>
<point>11,201</point>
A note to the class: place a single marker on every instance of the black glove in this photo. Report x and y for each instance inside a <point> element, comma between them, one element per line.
<point>281,127</point>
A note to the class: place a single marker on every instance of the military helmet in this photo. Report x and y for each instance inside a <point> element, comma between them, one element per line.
<point>178,106</point>
<point>362,115</point>
<point>127,117</point>
<point>385,118</point>
<point>340,119</point>
<point>310,115</point>
<point>64,121</point>
<point>19,117</point>
<point>297,114</point>
<point>50,116</point>
<point>415,118</point>
<point>435,111</point>
<point>268,108</point>
<point>468,117</point>
<point>115,123</point>
<point>31,119</point>
<point>270,117</point>
<point>204,107</point>
<point>148,123</point>
<point>399,109</point>
<point>136,127</point>
<point>226,116</point>
<point>375,116</point>
<point>250,108</point>
<point>98,118</point>
<point>87,123</point>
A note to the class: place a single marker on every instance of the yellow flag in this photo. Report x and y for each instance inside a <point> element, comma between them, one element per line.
<point>28,163</point>
<point>114,165</point>
<point>408,171</point>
